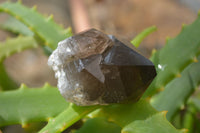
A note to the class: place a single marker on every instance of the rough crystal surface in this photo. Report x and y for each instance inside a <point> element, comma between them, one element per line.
<point>95,68</point>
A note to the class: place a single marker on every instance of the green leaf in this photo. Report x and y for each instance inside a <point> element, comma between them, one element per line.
<point>68,117</point>
<point>123,114</point>
<point>154,124</point>
<point>195,99</point>
<point>15,26</point>
<point>196,102</point>
<point>141,36</point>
<point>188,119</point>
<point>8,48</point>
<point>14,45</point>
<point>177,54</point>
<point>127,115</point>
<point>6,83</point>
<point>26,105</point>
<point>178,91</point>
<point>99,125</point>
<point>45,28</point>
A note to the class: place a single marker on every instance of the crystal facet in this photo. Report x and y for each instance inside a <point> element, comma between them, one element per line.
<point>95,68</point>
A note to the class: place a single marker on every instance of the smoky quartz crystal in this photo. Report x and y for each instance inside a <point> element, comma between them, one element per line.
<point>95,68</point>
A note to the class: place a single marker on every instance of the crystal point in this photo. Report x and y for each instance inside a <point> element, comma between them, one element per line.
<point>95,68</point>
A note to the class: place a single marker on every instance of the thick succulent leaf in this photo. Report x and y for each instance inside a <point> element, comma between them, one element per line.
<point>195,99</point>
<point>177,54</point>
<point>15,26</point>
<point>99,125</point>
<point>14,45</point>
<point>68,117</point>
<point>153,124</point>
<point>123,114</point>
<point>27,105</point>
<point>8,48</point>
<point>189,119</point>
<point>196,102</point>
<point>45,28</point>
<point>6,83</point>
<point>120,114</point>
<point>177,92</point>
<point>141,36</point>
<point>127,115</point>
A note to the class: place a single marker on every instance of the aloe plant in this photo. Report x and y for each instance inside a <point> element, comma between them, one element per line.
<point>177,79</point>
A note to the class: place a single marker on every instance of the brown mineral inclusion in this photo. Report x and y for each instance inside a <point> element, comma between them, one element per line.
<point>95,68</point>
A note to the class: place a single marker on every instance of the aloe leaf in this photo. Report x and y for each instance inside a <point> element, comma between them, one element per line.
<point>99,125</point>
<point>65,119</point>
<point>141,36</point>
<point>8,48</point>
<point>196,102</point>
<point>123,114</point>
<point>120,114</point>
<point>195,99</point>
<point>153,124</point>
<point>27,105</point>
<point>15,26</point>
<point>14,45</point>
<point>189,118</point>
<point>178,91</point>
<point>6,83</point>
<point>45,28</point>
<point>177,54</point>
